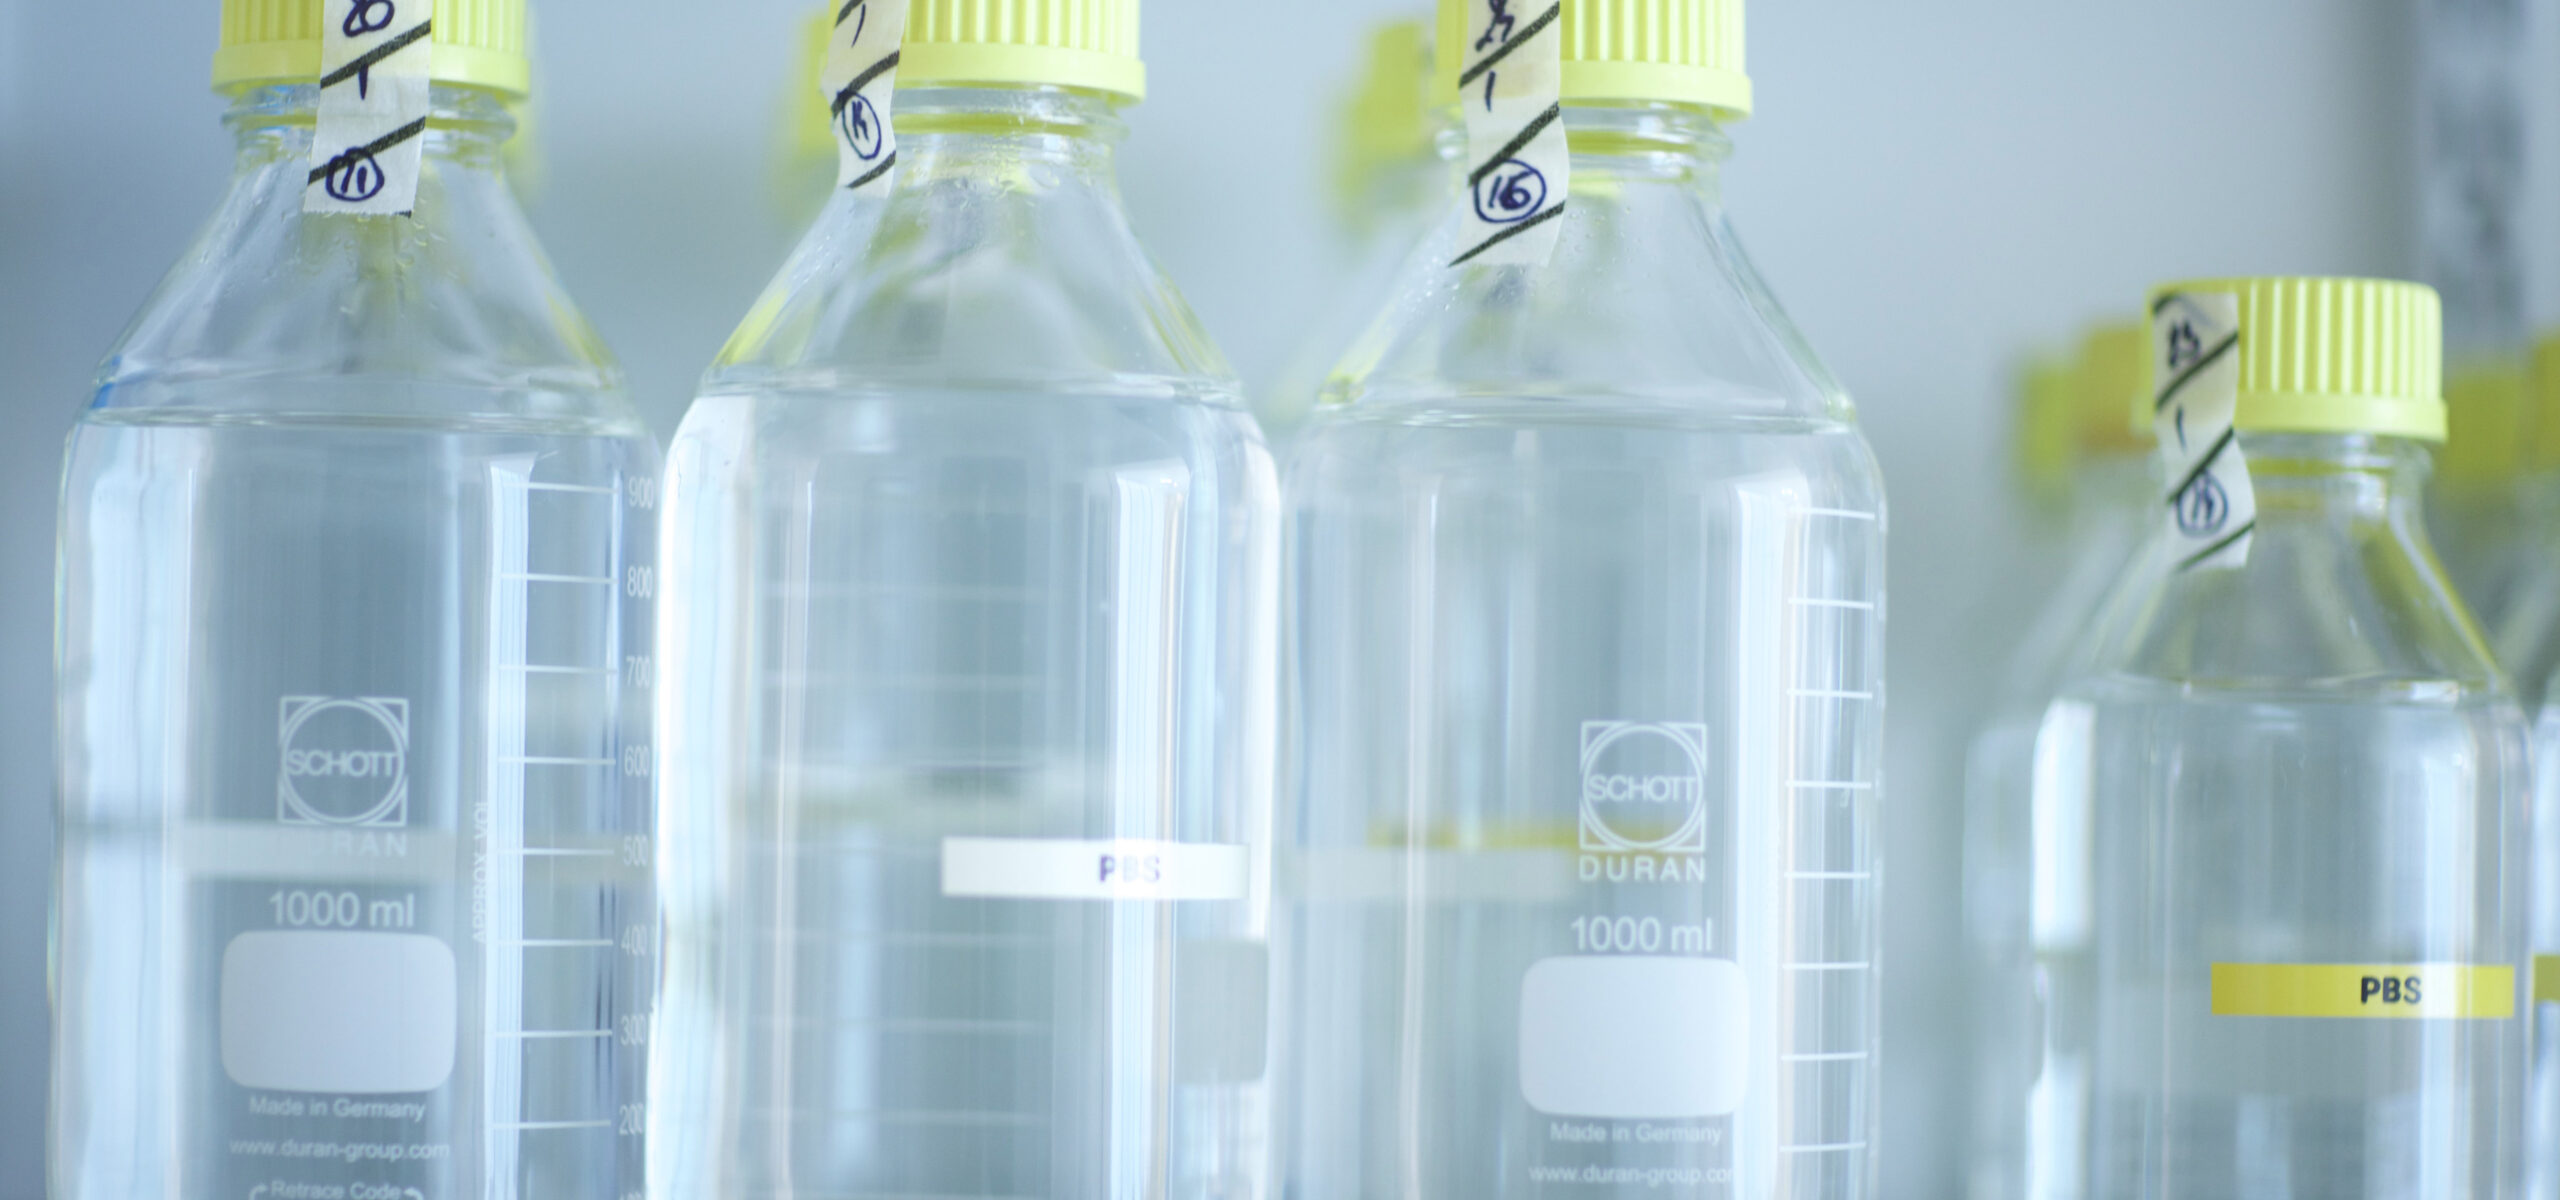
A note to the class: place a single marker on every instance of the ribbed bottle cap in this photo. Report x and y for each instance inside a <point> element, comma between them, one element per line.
<point>479,43</point>
<point>2336,355</point>
<point>2112,379</point>
<point>1677,51</point>
<point>1066,43</point>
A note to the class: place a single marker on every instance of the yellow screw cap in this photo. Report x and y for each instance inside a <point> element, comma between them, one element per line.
<point>478,43</point>
<point>1089,44</point>
<point>2487,425</point>
<point>1385,122</point>
<point>1675,51</point>
<point>2045,407</point>
<point>2336,355</point>
<point>2546,402</point>
<point>2114,377</point>
<point>808,132</point>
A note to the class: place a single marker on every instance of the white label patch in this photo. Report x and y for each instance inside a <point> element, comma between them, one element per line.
<point>1633,1037</point>
<point>338,1012</point>
<point>860,76</point>
<point>1071,869</point>
<point>2212,507</point>
<point>1519,165</point>
<point>375,57</point>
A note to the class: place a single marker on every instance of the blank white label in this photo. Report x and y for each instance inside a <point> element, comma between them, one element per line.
<point>1068,869</point>
<point>1633,1037</point>
<point>338,1012</point>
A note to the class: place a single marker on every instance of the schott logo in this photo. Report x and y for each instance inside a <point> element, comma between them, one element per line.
<point>345,761</point>
<point>1644,812</point>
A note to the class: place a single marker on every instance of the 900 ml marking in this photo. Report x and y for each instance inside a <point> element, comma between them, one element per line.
<point>320,909</point>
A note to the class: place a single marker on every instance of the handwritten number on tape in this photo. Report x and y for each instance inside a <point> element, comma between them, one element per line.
<point>369,141</point>
<point>1519,165</point>
<point>859,78</point>
<point>2212,509</point>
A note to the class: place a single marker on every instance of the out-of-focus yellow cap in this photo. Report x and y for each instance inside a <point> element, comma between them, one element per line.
<point>2486,424</point>
<point>478,43</point>
<point>2045,394</point>
<point>2546,402</point>
<point>2321,355</point>
<point>1385,120</point>
<point>808,136</point>
<point>2113,377</point>
<point>1089,44</point>
<point>1676,51</point>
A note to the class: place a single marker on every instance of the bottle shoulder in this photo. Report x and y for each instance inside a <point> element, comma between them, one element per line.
<point>1648,299</point>
<point>2322,611</point>
<point>453,314</point>
<point>1027,278</point>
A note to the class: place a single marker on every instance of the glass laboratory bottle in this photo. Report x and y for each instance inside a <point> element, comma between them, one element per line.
<point>354,894</point>
<point>970,662</point>
<point>1391,171</point>
<point>2529,647</point>
<point>1584,698</point>
<point>2026,910</point>
<point>2525,632</point>
<point>2308,786</point>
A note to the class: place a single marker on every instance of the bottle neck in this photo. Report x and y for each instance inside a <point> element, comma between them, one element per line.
<point>1640,146</point>
<point>2316,479</point>
<point>1035,135</point>
<point>467,128</point>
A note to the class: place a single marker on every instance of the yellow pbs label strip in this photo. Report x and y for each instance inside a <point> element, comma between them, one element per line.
<point>2439,991</point>
<point>2546,979</point>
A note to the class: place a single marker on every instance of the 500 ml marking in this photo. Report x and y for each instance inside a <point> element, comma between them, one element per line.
<point>1636,935</point>
<point>301,908</point>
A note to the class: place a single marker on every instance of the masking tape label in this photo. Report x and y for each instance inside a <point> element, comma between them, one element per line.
<point>1072,869</point>
<point>2442,991</point>
<point>1517,157</point>
<point>366,144</point>
<point>860,76</point>
<point>2212,508</point>
<point>2546,979</point>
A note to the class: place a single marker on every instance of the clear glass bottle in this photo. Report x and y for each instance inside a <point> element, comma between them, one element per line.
<point>2481,510</point>
<point>2525,630</point>
<point>2026,911</point>
<point>2308,784</point>
<point>1393,160</point>
<point>354,893</point>
<point>2529,646</point>
<point>1584,700</point>
<point>969,673</point>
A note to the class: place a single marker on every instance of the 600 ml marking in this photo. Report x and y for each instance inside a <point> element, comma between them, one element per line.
<point>1644,802</point>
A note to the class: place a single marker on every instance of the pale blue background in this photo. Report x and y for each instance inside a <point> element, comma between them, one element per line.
<point>1933,188</point>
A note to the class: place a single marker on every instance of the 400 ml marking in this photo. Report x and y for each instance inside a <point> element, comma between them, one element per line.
<point>1644,802</point>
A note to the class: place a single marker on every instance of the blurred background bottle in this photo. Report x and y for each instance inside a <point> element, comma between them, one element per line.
<point>1393,150</point>
<point>2026,880</point>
